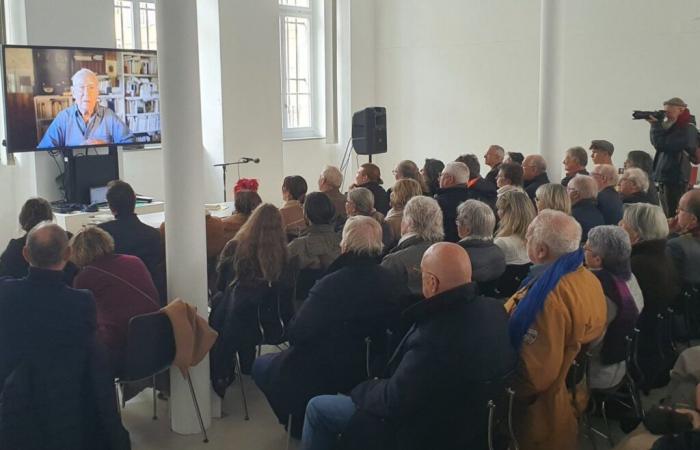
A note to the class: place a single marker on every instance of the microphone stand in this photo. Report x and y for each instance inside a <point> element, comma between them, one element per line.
<point>236,163</point>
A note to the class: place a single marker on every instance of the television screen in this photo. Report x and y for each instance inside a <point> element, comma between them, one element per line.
<point>61,98</point>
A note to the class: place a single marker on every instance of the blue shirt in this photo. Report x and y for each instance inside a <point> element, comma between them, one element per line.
<point>69,129</point>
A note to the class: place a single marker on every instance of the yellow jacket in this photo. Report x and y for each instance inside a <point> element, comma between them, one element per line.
<point>574,314</point>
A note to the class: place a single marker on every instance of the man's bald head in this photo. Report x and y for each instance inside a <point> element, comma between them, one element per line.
<point>47,247</point>
<point>444,266</point>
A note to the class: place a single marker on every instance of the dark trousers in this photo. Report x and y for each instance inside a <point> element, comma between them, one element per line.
<point>670,195</point>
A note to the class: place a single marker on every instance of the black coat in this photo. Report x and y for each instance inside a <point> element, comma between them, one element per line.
<point>610,205</point>
<point>492,175</point>
<point>381,198</point>
<point>484,191</point>
<point>434,395</point>
<point>532,185</point>
<point>588,215</point>
<point>671,166</point>
<point>488,260</point>
<point>567,178</point>
<point>327,336</point>
<point>13,264</point>
<point>638,197</point>
<point>449,199</point>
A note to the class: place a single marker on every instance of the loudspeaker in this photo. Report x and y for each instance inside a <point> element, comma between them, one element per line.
<point>369,131</point>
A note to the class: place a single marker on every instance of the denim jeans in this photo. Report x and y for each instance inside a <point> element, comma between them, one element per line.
<point>326,417</point>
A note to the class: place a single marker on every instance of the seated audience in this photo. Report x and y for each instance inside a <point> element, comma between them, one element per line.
<point>12,261</point>
<point>685,248</point>
<point>601,151</point>
<point>475,225</point>
<point>534,174</point>
<point>421,227</point>
<point>516,212</point>
<point>318,248</point>
<point>479,188</point>
<point>514,158</point>
<point>369,177</point>
<point>121,285</point>
<point>432,168</point>
<point>245,200</point>
<point>583,191</point>
<point>329,183</point>
<point>293,191</point>
<point>493,158</point>
<point>133,237</point>
<point>453,191</point>
<point>642,160</point>
<point>607,254</point>
<point>431,398</point>
<point>408,170</point>
<point>47,355</point>
<point>327,353</point>
<point>553,196</point>
<point>560,309</point>
<point>403,191</point>
<point>361,203</point>
<point>609,202</point>
<point>510,178</point>
<point>575,163</point>
<point>634,184</point>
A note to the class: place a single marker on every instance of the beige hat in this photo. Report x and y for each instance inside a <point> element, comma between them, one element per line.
<point>675,101</point>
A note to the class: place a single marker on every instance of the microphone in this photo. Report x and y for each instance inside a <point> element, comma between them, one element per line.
<point>247,160</point>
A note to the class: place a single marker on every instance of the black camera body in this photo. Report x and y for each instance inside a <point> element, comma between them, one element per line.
<point>660,115</point>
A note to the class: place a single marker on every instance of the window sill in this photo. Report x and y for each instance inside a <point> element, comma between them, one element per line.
<point>302,138</point>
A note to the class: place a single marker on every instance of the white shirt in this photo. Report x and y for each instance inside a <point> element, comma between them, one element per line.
<point>514,249</point>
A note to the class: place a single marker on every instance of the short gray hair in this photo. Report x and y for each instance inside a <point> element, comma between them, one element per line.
<point>478,217</point>
<point>332,176</point>
<point>608,171</point>
<point>649,221</point>
<point>612,244</point>
<point>458,170</point>
<point>539,162</point>
<point>579,154</point>
<point>585,185</point>
<point>363,199</point>
<point>83,73</point>
<point>423,216</point>
<point>636,176</point>
<point>560,232</point>
<point>46,244</point>
<point>362,235</point>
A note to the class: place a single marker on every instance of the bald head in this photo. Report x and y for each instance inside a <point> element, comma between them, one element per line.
<point>47,247</point>
<point>444,266</point>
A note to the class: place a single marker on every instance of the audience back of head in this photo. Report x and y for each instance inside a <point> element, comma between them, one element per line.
<point>456,172</point>
<point>444,266</point>
<point>362,236</point>
<point>295,186</point>
<point>331,177</point>
<point>644,222</point>
<point>613,246</point>
<point>91,244</point>
<point>558,232</point>
<point>407,169</point>
<point>261,246</point>
<point>47,247</point>
<point>512,173</point>
<point>362,199</point>
<point>121,198</point>
<point>472,162</point>
<point>246,201</point>
<point>553,196</point>
<point>423,216</point>
<point>431,173</point>
<point>585,186</point>
<point>403,191</point>
<point>34,211</point>
<point>639,159</point>
<point>516,211</point>
<point>476,217</point>
<point>318,209</point>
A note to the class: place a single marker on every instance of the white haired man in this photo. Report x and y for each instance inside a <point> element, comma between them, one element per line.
<point>86,122</point>
<point>609,201</point>
<point>475,224</point>
<point>560,308</point>
<point>534,174</point>
<point>634,186</point>
<point>453,191</point>
<point>583,190</point>
<point>493,158</point>
<point>329,183</point>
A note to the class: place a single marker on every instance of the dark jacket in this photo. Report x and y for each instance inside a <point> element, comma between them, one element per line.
<point>685,252</point>
<point>449,199</point>
<point>492,175</point>
<point>610,205</point>
<point>588,215</point>
<point>488,261</point>
<point>484,191</point>
<point>381,198</point>
<point>13,264</point>
<point>327,336</point>
<point>637,197</point>
<point>671,165</point>
<point>567,178</point>
<point>403,261</point>
<point>435,392</point>
<point>532,185</point>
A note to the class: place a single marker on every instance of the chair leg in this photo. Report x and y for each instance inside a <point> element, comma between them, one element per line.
<point>289,431</point>
<point>155,405</point>
<point>196,407</point>
<point>116,396</point>
<point>607,423</point>
<point>240,379</point>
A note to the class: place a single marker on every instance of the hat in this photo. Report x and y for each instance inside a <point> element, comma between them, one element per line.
<point>675,101</point>
<point>601,144</point>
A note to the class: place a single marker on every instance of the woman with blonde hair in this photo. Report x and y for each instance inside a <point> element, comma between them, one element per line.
<point>515,212</point>
<point>121,284</point>
<point>404,190</point>
<point>553,196</point>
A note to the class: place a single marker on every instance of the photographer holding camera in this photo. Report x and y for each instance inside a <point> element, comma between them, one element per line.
<point>674,139</point>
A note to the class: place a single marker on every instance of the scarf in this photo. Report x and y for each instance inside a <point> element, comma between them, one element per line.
<point>614,347</point>
<point>530,306</point>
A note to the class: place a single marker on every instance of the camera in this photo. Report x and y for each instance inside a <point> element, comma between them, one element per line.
<point>658,115</point>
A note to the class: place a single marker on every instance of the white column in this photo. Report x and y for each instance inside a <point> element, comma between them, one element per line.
<point>183,157</point>
<point>551,78</point>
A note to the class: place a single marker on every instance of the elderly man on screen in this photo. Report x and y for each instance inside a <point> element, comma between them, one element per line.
<point>85,122</point>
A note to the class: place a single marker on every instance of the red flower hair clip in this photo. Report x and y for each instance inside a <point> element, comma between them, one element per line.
<point>246,184</point>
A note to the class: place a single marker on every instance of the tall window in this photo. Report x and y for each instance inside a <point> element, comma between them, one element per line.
<point>135,24</point>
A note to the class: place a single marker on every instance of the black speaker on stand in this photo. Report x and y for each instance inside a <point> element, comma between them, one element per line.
<point>369,131</point>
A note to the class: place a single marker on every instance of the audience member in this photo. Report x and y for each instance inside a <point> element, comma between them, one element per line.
<point>609,202</point>
<point>327,355</point>
<point>510,178</point>
<point>475,225</point>
<point>293,191</point>
<point>133,237</point>
<point>479,188</point>
<point>329,183</point>
<point>431,397</point>
<point>601,151</point>
<point>516,212</point>
<point>121,285</point>
<point>432,168</point>
<point>514,158</point>
<point>453,191</point>
<point>421,227</point>
<point>403,191</point>
<point>560,309</point>
<point>244,201</point>
<point>685,248</point>
<point>493,158</point>
<point>534,174</point>
<point>607,255</point>
<point>583,191</point>
<point>553,196</point>
<point>634,185</point>
<point>408,170</point>
<point>318,248</point>
<point>361,203</point>
<point>575,163</point>
<point>641,160</point>
<point>369,177</point>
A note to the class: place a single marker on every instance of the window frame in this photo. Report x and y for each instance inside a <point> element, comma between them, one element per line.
<point>135,24</point>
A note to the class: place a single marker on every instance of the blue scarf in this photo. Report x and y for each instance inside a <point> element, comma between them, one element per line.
<point>530,306</point>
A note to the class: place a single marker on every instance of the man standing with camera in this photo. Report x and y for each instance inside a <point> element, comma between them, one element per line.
<point>674,139</point>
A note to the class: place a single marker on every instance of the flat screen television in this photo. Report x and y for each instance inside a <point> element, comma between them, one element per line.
<point>64,98</point>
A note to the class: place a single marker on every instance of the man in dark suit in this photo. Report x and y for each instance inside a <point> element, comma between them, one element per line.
<point>575,163</point>
<point>480,189</point>
<point>609,201</point>
<point>453,191</point>
<point>534,174</point>
<point>133,237</point>
<point>582,190</point>
<point>494,158</point>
